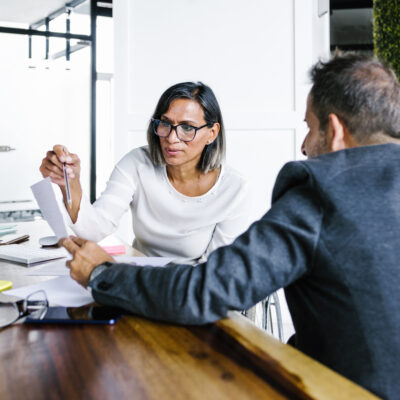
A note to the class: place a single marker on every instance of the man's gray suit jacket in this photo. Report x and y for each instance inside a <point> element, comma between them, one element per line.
<point>331,239</point>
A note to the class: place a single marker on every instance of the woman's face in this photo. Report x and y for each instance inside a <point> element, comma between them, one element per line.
<point>177,152</point>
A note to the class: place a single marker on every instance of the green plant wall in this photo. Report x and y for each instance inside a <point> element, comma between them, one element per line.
<point>387,32</point>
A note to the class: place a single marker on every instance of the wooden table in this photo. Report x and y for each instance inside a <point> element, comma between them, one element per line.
<point>142,359</point>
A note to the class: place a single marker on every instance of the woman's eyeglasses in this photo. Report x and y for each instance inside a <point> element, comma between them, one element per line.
<point>184,132</point>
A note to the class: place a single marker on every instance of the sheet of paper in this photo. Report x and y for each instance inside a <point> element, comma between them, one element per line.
<point>53,268</point>
<point>46,199</point>
<point>9,236</point>
<point>151,261</point>
<point>59,268</point>
<point>61,291</point>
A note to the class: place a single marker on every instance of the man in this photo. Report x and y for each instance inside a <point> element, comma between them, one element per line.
<point>331,238</point>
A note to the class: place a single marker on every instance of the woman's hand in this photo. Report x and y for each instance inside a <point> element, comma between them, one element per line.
<point>52,166</point>
<point>87,255</point>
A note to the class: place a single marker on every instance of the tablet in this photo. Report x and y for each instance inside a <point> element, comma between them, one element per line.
<point>77,315</point>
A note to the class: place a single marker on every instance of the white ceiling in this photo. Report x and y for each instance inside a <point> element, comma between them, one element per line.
<point>28,11</point>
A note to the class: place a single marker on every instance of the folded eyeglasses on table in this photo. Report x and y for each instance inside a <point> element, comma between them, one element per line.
<point>34,305</point>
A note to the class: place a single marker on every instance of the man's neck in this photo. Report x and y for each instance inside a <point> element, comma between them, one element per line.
<point>379,138</point>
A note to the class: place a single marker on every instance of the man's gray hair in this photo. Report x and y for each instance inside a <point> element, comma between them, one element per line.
<point>361,90</point>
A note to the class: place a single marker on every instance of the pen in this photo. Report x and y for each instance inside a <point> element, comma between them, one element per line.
<point>69,200</point>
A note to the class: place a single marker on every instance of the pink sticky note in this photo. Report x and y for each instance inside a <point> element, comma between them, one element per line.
<point>113,250</point>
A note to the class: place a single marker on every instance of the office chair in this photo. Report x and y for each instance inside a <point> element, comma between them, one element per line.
<point>262,315</point>
<point>272,301</point>
<point>253,314</point>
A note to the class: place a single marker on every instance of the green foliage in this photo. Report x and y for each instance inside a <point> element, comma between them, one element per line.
<point>387,32</point>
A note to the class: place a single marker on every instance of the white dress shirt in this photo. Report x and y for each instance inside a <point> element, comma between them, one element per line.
<point>166,222</point>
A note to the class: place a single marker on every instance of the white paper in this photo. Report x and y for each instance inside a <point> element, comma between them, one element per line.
<point>141,261</point>
<point>59,268</point>
<point>46,199</point>
<point>61,291</point>
<point>54,268</point>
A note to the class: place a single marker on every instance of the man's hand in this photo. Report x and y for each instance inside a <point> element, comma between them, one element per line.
<point>87,255</point>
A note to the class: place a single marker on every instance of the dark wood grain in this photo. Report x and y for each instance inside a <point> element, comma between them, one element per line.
<point>142,359</point>
<point>134,359</point>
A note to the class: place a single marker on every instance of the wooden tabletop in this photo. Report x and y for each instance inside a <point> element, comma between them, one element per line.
<point>141,359</point>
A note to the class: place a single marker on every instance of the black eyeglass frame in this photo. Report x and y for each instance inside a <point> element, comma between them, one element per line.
<point>156,122</point>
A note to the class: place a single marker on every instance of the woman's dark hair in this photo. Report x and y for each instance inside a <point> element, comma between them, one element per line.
<point>213,153</point>
<point>361,90</point>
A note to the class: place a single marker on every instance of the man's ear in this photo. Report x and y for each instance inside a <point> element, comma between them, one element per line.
<point>340,136</point>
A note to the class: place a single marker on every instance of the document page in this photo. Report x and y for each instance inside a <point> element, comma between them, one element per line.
<point>61,291</point>
<point>59,268</point>
<point>54,268</point>
<point>46,199</point>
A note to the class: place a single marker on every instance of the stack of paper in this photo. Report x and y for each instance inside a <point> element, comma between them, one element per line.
<point>30,255</point>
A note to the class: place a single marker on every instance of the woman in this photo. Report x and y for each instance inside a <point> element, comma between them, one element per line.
<point>185,202</point>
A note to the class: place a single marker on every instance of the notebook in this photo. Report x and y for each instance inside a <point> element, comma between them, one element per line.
<point>30,255</point>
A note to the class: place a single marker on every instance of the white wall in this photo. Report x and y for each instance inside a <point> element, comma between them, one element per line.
<point>255,56</point>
